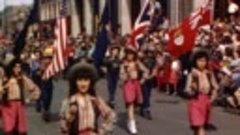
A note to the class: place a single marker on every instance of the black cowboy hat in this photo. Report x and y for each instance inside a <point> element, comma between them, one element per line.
<point>115,47</point>
<point>131,50</point>
<point>82,70</point>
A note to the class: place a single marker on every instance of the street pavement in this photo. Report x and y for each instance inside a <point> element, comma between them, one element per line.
<point>170,116</point>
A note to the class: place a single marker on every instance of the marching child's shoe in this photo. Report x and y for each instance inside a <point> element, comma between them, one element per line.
<point>132,127</point>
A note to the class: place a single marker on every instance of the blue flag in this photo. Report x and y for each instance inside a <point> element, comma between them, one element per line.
<point>102,38</point>
<point>20,41</point>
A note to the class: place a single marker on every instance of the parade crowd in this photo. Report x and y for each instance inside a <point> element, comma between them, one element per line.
<point>212,77</point>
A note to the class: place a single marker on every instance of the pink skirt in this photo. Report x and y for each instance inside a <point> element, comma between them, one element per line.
<point>13,115</point>
<point>132,92</point>
<point>173,79</point>
<point>199,110</point>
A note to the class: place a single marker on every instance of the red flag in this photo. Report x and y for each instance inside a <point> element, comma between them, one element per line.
<point>206,16</point>
<point>183,37</point>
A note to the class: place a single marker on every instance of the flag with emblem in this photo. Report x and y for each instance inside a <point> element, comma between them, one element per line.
<point>182,38</point>
<point>142,24</point>
<point>58,62</point>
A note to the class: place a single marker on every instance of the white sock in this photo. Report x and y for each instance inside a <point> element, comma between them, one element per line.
<point>132,126</point>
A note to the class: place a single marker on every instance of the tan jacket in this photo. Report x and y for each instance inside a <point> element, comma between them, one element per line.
<point>204,85</point>
<point>1,82</point>
<point>14,92</point>
<point>84,108</point>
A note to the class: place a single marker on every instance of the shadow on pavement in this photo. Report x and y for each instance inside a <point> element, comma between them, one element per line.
<point>164,101</point>
<point>55,117</point>
<point>121,122</point>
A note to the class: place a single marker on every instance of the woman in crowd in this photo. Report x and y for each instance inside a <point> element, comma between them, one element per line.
<point>202,88</point>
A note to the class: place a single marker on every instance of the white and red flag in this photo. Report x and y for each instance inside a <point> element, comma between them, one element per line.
<point>142,24</point>
<point>182,38</point>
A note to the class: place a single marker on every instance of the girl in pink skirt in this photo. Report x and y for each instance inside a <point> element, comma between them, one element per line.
<point>13,109</point>
<point>130,74</point>
<point>84,112</point>
<point>202,89</point>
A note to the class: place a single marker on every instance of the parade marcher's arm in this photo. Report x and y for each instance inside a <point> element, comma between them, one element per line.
<point>154,72</point>
<point>144,70</point>
<point>108,117</point>
<point>1,81</point>
<point>63,122</point>
<point>32,88</point>
<point>215,88</point>
<point>191,87</point>
<point>237,69</point>
<point>70,110</point>
<point>123,73</point>
<point>106,63</point>
<point>188,84</point>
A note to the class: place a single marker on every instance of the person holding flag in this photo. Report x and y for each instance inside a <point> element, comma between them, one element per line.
<point>149,61</point>
<point>113,63</point>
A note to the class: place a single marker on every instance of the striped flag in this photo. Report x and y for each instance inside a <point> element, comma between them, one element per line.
<point>142,23</point>
<point>58,62</point>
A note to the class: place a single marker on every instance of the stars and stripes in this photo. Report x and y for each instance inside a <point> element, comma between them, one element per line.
<point>142,23</point>
<point>58,62</point>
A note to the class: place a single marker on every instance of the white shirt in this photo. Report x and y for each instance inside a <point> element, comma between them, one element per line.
<point>233,8</point>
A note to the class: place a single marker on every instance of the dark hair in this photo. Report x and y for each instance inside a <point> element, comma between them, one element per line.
<point>114,47</point>
<point>9,74</point>
<point>229,52</point>
<point>83,72</point>
<point>2,65</point>
<point>238,51</point>
<point>9,68</point>
<point>130,51</point>
<point>198,55</point>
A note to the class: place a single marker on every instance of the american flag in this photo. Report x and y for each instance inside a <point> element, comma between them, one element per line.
<point>58,62</point>
<point>142,23</point>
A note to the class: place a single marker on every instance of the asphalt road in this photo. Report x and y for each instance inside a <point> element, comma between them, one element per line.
<point>170,116</point>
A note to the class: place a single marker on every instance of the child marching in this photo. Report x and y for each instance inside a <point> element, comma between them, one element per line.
<point>133,73</point>
<point>13,100</point>
<point>202,89</point>
<point>84,107</point>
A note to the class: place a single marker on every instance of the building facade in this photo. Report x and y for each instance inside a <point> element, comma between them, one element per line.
<point>14,18</point>
<point>85,14</point>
